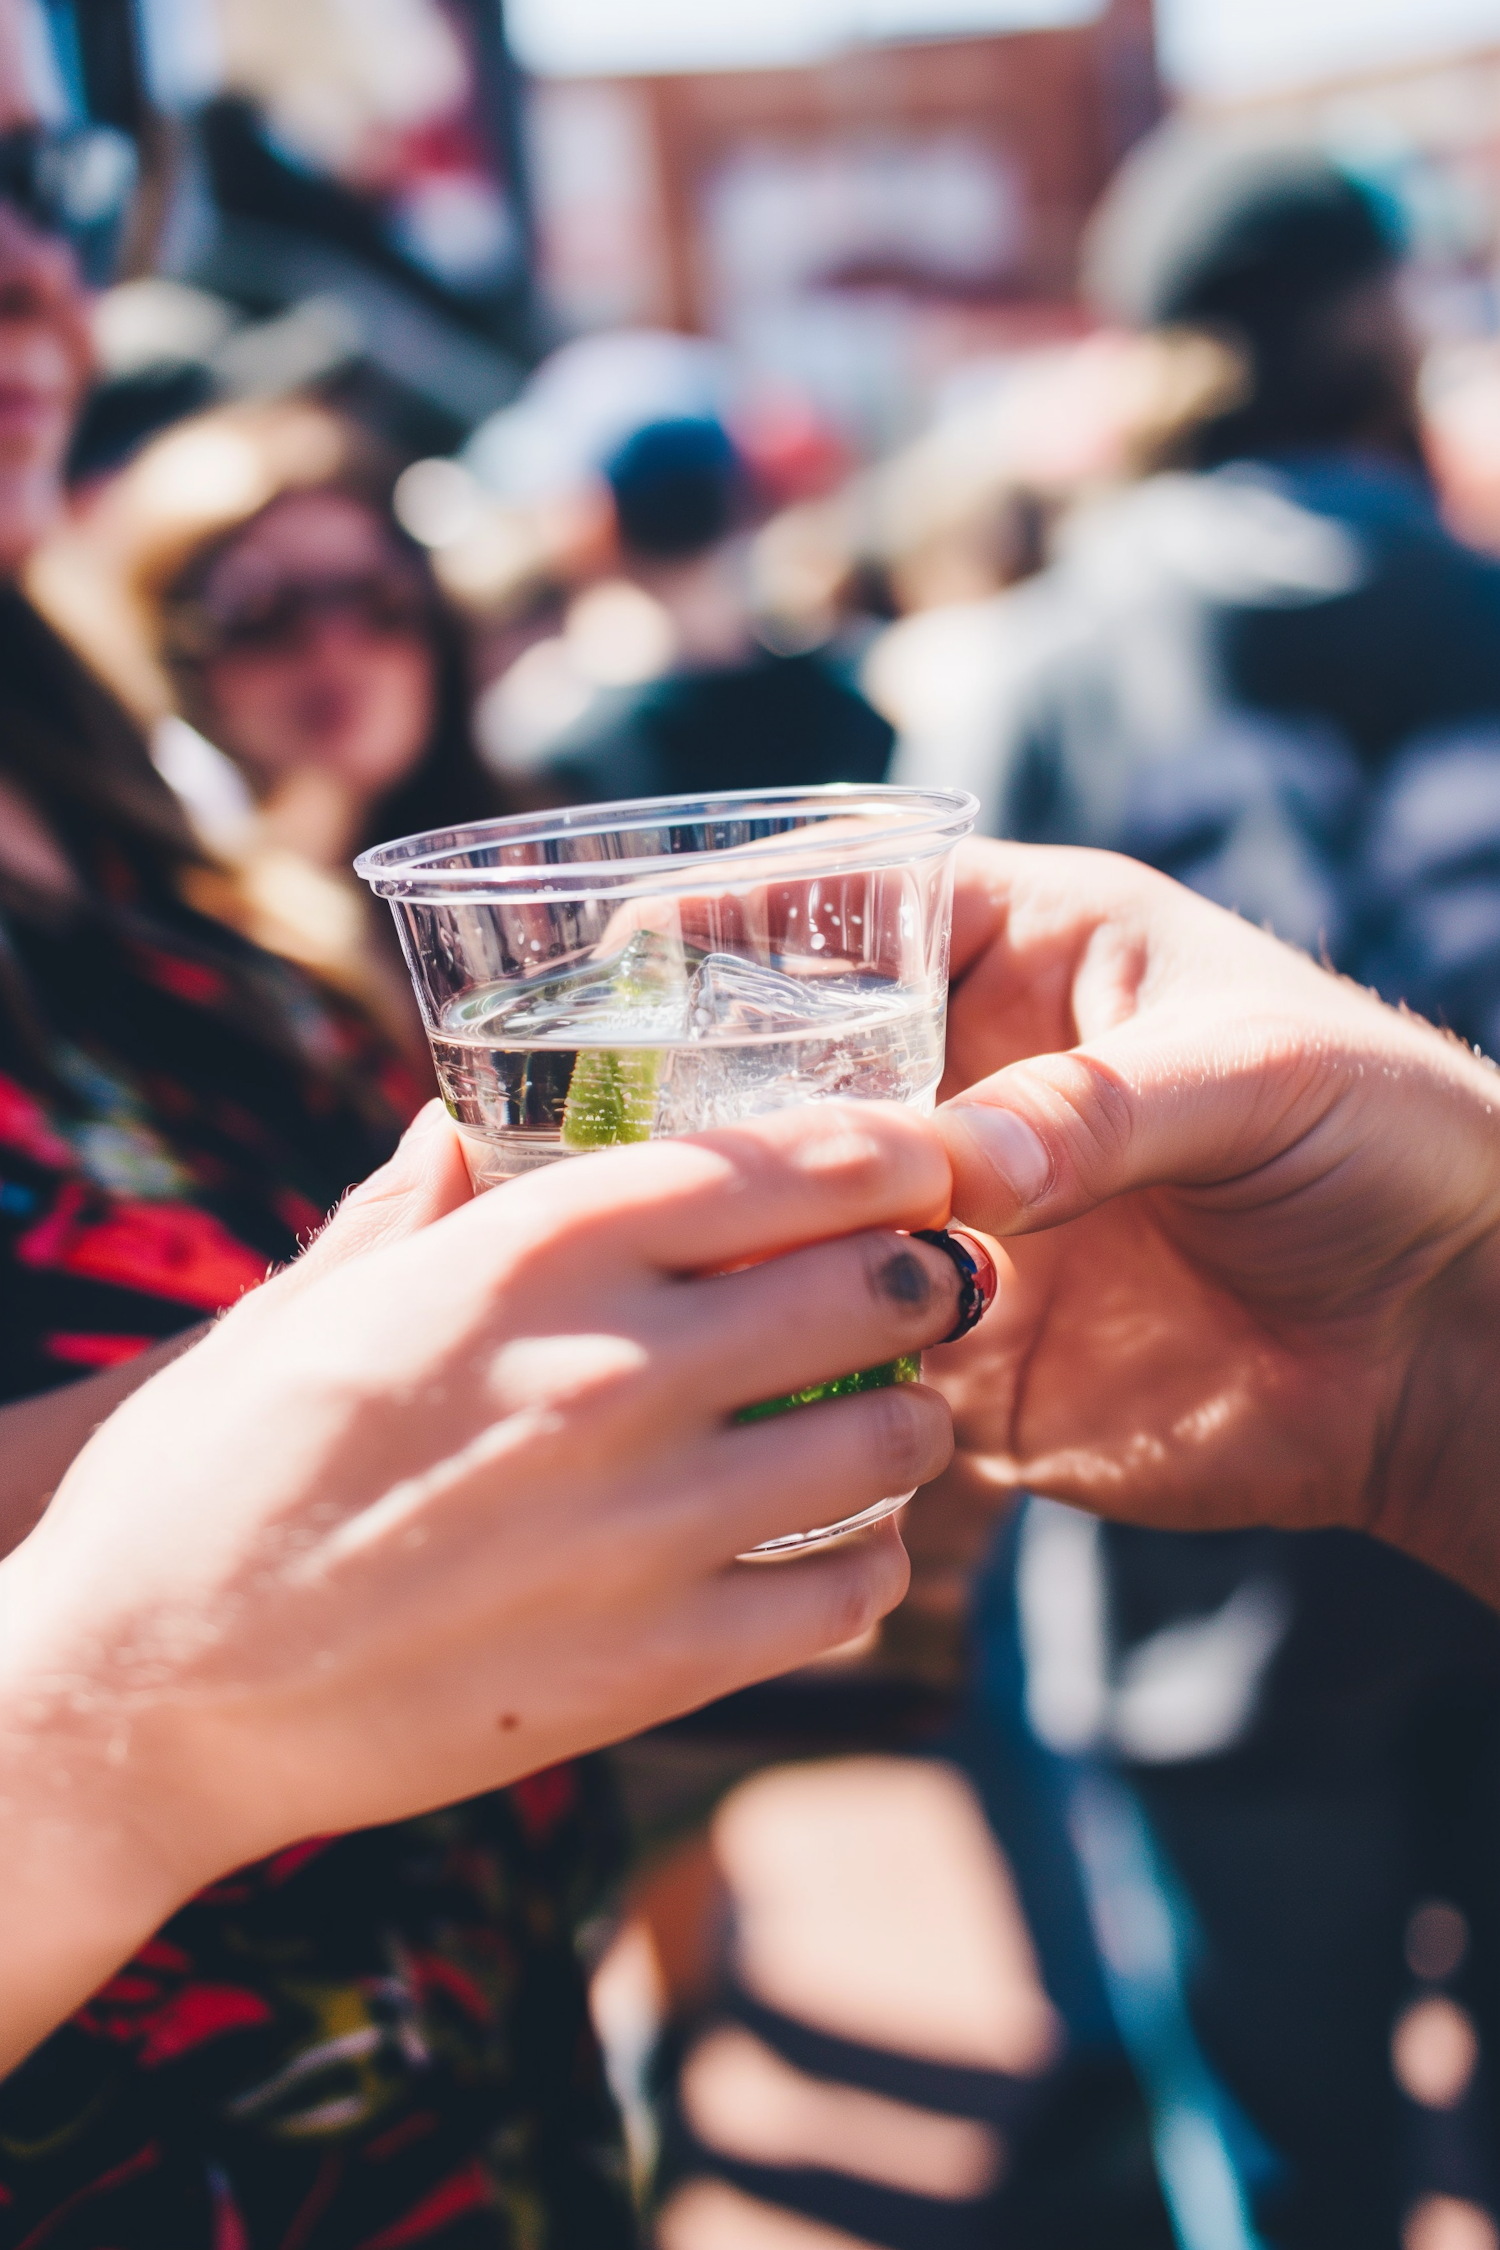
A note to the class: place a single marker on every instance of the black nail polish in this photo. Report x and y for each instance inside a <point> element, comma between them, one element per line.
<point>979,1283</point>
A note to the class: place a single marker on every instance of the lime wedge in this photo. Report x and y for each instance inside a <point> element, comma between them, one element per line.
<point>611,1096</point>
<point>906,1369</point>
<point>612,1093</point>
<point>612,1100</point>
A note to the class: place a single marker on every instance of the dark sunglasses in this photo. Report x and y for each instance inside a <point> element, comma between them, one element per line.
<point>75,182</point>
<point>384,604</point>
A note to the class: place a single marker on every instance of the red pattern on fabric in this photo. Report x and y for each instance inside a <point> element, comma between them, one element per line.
<point>24,1127</point>
<point>125,1991</point>
<point>319,2197</point>
<point>285,1864</point>
<point>107,2016</point>
<point>402,1090</point>
<point>96,1351</point>
<point>230,2230</point>
<point>240,1140</point>
<point>160,1249</point>
<point>144,2160</point>
<point>192,981</point>
<point>543,1799</point>
<point>201,2013</point>
<point>413,2128</point>
<point>468,2190</point>
<point>437,1975</point>
<point>157,1953</point>
<point>297,1212</point>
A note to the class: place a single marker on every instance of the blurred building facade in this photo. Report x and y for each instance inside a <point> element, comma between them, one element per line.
<point>852,223</point>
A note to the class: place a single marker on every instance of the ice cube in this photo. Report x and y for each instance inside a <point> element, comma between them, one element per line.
<point>727,994</point>
<point>635,995</point>
<point>759,1040</point>
<point>653,971</point>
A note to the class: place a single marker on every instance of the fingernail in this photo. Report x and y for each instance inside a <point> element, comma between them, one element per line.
<point>979,1283</point>
<point>1008,1143</point>
<point>986,1279</point>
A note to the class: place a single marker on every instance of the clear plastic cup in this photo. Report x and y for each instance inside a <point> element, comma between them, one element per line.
<point>617,973</point>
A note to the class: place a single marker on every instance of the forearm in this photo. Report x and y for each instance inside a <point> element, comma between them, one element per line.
<point>80,1887</point>
<point>40,1437</point>
<point>66,1925</point>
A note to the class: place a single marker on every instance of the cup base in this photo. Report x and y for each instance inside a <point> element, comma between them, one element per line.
<point>493,1162</point>
<point>827,1534</point>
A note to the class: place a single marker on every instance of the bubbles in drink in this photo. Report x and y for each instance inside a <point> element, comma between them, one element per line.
<point>660,1039</point>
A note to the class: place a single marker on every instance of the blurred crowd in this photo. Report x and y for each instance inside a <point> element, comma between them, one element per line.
<point>1138,1888</point>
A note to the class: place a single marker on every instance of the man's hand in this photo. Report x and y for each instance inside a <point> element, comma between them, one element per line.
<point>1250,1216</point>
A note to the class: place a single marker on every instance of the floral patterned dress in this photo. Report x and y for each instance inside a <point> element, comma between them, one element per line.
<point>370,2040</point>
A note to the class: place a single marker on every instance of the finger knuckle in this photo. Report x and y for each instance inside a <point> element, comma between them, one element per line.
<point>543,1252</point>
<point>855,1600</point>
<point>869,1587</point>
<point>843,1148</point>
<point>905,1437</point>
<point>856,1607</point>
<point>1103,1115</point>
<point>596,1382</point>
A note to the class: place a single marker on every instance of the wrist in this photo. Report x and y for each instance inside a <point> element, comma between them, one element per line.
<point>94,1859</point>
<point>1436,1489</point>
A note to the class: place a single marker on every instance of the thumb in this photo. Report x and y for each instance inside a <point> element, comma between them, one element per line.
<point>1047,1139</point>
<point>425,1180</point>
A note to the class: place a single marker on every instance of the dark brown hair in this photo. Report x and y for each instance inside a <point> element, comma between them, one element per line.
<point>74,752</point>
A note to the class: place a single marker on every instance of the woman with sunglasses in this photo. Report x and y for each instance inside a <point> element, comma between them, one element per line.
<point>381,2033</point>
<point>305,634</point>
<point>298,629</point>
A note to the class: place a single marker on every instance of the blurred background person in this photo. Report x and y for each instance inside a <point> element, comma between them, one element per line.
<point>718,707</point>
<point>306,681</point>
<point>304,636</point>
<point>372,2031</point>
<point>309,643</point>
<point>1300,585</point>
<point>1221,675</point>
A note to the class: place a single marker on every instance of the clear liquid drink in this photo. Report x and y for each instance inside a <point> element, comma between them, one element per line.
<point>659,1039</point>
<point>634,972</point>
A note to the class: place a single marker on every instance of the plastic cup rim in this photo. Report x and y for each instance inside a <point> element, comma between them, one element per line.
<point>402,869</point>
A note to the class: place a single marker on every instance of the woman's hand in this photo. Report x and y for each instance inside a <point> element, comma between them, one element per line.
<point>457,1495</point>
<point>1251,1221</point>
